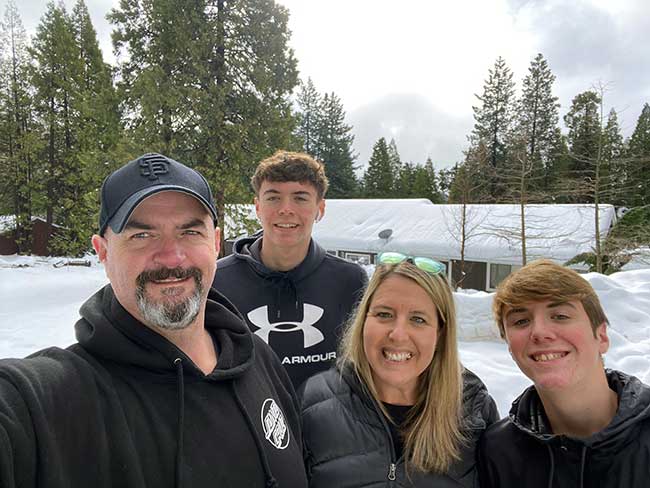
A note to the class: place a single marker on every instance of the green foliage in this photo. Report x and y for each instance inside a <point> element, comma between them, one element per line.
<point>324,134</point>
<point>18,146</point>
<point>494,119</point>
<point>378,180</point>
<point>208,82</point>
<point>308,117</point>
<point>536,124</point>
<point>583,122</point>
<point>639,152</point>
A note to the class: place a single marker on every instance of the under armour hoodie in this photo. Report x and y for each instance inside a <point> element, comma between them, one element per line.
<point>299,313</point>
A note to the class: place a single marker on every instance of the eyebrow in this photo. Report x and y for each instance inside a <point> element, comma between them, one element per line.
<point>136,224</point>
<point>550,305</point>
<point>276,192</point>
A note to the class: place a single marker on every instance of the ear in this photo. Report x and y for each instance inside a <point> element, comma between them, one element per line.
<point>257,206</point>
<point>602,338</point>
<point>321,210</point>
<point>217,240</point>
<point>100,245</point>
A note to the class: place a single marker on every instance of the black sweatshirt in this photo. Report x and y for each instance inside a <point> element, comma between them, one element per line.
<point>126,408</point>
<point>521,450</point>
<point>299,313</point>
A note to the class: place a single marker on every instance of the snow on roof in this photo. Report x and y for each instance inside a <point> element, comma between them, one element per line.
<point>8,222</point>
<point>421,228</point>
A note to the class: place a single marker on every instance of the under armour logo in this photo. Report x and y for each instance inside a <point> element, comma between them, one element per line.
<point>311,314</point>
<point>153,167</point>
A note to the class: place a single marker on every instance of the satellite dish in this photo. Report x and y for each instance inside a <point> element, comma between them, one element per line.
<point>386,233</point>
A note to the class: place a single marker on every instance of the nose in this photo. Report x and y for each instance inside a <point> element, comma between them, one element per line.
<point>170,253</point>
<point>286,207</point>
<point>399,331</point>
<point>541,329</point>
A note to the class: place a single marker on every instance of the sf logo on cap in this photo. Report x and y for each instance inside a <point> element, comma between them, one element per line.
<point>153,167</point>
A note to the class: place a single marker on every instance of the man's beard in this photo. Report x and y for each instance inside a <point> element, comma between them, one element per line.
<point>168,314</point>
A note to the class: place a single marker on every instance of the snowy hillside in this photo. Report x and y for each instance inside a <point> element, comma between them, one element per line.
<point>39,305</point>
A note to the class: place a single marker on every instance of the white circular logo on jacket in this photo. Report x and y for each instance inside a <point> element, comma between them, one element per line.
<point>274,424</point>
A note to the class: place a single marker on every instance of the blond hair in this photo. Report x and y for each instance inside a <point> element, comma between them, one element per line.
<point>433,430</point>
<point>545,280</point>
<point>286,166</point>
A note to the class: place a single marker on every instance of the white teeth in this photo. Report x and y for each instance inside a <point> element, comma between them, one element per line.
<point>397,356</point>
<point>286,226</point>
<point>549,357</point>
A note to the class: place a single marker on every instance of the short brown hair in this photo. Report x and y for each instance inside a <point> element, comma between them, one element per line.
<point>545,280</point>
<point>291,166</point>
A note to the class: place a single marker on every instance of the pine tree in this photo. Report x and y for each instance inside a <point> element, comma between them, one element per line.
<point>584,124</point>
<point>378,181</point>
<point>404,186</point>
<point>57,79</point>
<point>537,120</point>
<point>335,148</point>
<point>18,127</point>
<point>308,117</point>
<point>494,119</point>
<point>208,82</point>
<point>425,183</point>
<point>395,159</point>
<point>639,151</point>
<point>615,166</point>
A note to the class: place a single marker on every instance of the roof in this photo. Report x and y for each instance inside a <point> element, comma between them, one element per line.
<point>421,228</point>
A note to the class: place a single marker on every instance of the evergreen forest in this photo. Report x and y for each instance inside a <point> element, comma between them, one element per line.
<point>215,85</point>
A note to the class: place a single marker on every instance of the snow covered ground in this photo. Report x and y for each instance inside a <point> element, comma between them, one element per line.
<point>39,305</point>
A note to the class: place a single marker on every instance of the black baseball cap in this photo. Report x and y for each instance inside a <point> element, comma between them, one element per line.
<point>126,187</point>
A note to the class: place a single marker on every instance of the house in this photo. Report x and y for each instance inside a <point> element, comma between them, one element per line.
<point>41,235</point>
<point>358,230</point>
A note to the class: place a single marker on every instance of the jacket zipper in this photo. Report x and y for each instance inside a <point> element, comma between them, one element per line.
<point>391,472</point>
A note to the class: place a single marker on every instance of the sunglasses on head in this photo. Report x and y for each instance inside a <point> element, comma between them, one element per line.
<point>425,264</point>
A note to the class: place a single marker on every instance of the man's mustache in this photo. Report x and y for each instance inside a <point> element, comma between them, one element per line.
<point>166,273</point>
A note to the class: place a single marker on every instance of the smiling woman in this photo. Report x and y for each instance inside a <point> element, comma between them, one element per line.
<point>399,405</point>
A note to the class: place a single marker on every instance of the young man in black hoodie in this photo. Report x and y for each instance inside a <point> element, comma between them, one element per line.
<point>579,425</point>
<point>166,386</point>
<point>293,294</point>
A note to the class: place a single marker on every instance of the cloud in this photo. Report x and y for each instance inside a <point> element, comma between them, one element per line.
<point>586,44</point>
<point>419,128</point>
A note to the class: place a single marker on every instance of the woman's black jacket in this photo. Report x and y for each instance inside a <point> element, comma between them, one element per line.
<point>348,441</point>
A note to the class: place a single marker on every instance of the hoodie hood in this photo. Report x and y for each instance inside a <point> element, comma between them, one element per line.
<point>107,330</point>
<point>527,413</point>
<point>286,284</point>
<point>249,249</point>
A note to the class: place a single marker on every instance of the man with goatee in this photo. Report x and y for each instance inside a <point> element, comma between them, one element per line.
<point>166,386</point>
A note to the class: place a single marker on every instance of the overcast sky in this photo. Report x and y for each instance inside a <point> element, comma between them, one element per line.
<point>410,69</point>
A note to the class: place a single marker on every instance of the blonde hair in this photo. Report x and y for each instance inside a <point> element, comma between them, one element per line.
<point>545,280</point>
<point>433,430</point>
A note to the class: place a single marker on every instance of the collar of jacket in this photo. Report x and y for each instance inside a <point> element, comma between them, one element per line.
<point>108,331</point>
<point>527,413</point>
<point>249,249</point>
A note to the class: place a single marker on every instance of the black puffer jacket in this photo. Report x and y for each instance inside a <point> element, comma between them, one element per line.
<point>522,451</point>
<point>348,442</point>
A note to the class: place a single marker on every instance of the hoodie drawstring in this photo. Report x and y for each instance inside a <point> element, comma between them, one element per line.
<point>284,287</point>
<point>270,482</point>
<point>180,391</point>
<point>582,466</point>
<point>552,457</point>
